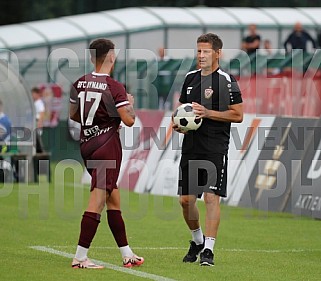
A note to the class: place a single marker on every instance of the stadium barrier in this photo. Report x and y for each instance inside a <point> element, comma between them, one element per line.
<point>287,93</point>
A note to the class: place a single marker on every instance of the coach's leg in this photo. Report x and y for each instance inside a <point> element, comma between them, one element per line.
<point>213,214</point>
<point>190,211</point>
<point>191,217</point>
<point>212,219</point>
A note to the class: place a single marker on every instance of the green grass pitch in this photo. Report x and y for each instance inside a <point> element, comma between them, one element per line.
<point>251,245</point>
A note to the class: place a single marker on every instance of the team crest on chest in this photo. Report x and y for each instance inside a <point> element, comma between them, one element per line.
<point>208,92</point>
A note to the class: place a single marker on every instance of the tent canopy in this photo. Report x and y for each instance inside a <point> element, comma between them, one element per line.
<point>131,20</point>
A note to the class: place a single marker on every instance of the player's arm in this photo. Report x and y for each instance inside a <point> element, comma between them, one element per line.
<point>233,114</point>
<point>40,108</point>
<point>127,113</point>
<point>74,112</point>
<point>41,118</point>
<point>3,132</point>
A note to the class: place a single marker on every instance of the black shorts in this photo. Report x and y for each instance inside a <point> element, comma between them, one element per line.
<point>200,173</point>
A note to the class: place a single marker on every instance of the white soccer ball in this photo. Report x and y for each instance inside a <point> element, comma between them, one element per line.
<point>185,118</point>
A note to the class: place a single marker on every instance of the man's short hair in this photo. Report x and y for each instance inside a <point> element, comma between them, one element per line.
<point>99,48</point>
<point>35,90</point>
<point>211,38</point>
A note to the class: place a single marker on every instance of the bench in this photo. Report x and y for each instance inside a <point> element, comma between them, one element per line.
<point>18,171</point>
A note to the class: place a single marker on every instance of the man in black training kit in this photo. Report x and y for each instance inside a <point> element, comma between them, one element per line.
<point>251,42</point>
<point>216,98</point>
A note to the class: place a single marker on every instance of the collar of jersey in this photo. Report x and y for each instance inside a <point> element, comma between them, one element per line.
<point>210,73</point>
<point>100,74</point>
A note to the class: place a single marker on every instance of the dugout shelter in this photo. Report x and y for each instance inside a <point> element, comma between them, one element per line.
<point>18,105</point>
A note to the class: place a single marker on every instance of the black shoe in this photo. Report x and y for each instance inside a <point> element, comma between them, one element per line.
<point>193,252</point>
<point>207,258</point>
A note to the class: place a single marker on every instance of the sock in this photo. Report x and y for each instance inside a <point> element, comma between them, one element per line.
<point>88,228</point>
<point>209,243</point>
<point>126,251</point>
<point>81,253</point>
<point>117,227</point>
<point>198,236</point>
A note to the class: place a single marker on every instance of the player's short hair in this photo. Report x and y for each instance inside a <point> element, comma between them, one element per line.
<point>35,90</point>
<point>99,48</point>
<point>1,104</point>
<point>211,38</point>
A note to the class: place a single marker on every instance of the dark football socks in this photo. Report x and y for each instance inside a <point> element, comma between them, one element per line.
<point>88,228</point>
<point>117,227</point>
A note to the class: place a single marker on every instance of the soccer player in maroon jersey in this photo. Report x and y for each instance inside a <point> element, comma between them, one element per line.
<point>100,103</point>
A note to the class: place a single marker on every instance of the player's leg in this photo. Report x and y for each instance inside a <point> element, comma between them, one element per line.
<point>111,152</point>
<point>88,228</point>
<point>97,201</point>
<point>117,227</point>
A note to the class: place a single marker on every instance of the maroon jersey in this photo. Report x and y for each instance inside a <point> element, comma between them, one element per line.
<point>98,96</point>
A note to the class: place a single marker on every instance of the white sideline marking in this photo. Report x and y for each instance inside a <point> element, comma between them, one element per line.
<point>218,249</point>
<point>272,251</point>
<point>107,265</point>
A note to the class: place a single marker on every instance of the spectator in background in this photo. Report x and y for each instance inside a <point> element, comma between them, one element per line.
<point>40,114</point>
<point>319,39</point>
<point>162,78</point>
<point>5,130</point>
<point>267,49</point>
<point>251,42</point>
<point>161,55</point>
<point>298,39</point>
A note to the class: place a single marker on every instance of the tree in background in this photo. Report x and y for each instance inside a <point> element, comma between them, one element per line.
<point>29,10</point>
